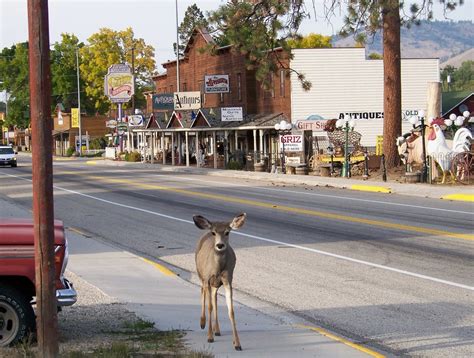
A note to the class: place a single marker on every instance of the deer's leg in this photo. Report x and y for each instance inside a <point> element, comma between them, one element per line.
<point>217,330</point>
<point>203,306</point>
<point>230,308</point>
<point>210,335</point>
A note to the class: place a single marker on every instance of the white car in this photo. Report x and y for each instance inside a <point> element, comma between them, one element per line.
<point>7,156</point>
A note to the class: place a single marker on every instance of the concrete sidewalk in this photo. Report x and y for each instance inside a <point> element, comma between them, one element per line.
<point>435,191</point>
<point>157,294</point>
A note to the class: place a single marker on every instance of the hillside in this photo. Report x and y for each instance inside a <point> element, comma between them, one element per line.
<point>439,39</point>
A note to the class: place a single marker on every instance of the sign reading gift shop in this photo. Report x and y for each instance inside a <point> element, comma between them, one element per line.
<point>118,84</point>
<point>216,84</point>
<point>230,114</point>
<point>292,142</point>
<point>187,100</point>
<point>309,125</point>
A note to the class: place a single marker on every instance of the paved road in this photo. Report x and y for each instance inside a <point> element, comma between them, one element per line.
<point>394,272</point>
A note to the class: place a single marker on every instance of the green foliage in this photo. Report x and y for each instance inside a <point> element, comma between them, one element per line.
<point>462,78</point>
<point>193,18</point>
<point>234,165</point>
<point>132,157</point>
<point>108,47</point>
<point>98,143</point>
<point>311,41</point>
<point>375,56</point>
<point>70,151</point>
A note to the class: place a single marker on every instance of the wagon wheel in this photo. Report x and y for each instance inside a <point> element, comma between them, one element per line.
<point>314,161</point>
<point>462,167</point>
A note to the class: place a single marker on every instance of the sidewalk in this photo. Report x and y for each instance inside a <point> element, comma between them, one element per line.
<point>157,294</point>
<point>435,191</point>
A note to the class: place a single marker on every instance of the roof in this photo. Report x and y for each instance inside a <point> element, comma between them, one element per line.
<point>451,100</point>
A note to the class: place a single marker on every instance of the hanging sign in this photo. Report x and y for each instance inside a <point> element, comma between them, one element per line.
<point>119,83</point>
<point>292,142</point>
<point>187,100</point>
<point>135,120</point>
<point>216,84</point>
<point>230,114</point>
<point>163,101</point>
<point>74,117</point>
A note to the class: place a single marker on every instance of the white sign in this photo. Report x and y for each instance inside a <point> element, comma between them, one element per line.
<point>292,142</point>
<point>216,84</point>
<point>135,120</point>
<point>119,83</point>
<point>229,114</point>
<point>111,123</point>
<point>309,125</point>
<point>187,100</point>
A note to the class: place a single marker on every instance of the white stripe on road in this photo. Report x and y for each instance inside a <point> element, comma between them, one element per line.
<point>325,253</point>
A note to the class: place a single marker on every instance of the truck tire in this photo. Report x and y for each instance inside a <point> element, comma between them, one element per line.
<point>17,318</point>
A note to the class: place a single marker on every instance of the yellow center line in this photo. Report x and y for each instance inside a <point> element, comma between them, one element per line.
<point>342,340</point>
<point>285,208</point>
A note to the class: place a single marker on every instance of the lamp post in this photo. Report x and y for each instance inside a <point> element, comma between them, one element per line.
<point>419,121</point>
<point>346,125</point>
<point>283,128</point>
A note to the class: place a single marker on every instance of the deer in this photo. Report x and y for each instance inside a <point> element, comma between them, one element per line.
<point>215,263</point>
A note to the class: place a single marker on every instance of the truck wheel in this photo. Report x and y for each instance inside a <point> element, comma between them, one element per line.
<point>17,318</point>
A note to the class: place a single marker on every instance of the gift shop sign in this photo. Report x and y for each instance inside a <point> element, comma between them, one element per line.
<point>309,125</point>
<point>292,142</point>
<point>119,83</point>
<point>216,84</point>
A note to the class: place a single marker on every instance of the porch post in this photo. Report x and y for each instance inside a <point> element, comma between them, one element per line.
<point>255,146</point>
<point>260,146</point>
<point>226,148</point>
<point>214,148</point>
<point>163,147</point>
<point>236,135</point>
<point>187,147</point>
<point>152,159</point>
<point>172,149</point>
<point>198,151</point>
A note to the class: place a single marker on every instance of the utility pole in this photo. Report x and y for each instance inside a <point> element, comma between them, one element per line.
<point>79,103</point>
<point>177,49</point>
<point>133,76</point>
<point>42,167</point>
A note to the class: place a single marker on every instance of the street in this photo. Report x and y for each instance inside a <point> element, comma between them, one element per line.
<point>391,271</point>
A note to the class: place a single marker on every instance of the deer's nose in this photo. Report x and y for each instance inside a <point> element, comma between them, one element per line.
<point>220,246</point>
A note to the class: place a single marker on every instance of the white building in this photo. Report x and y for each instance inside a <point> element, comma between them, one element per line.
<point>345,82</point>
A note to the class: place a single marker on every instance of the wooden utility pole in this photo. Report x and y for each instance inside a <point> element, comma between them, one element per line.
<point>43,210</point>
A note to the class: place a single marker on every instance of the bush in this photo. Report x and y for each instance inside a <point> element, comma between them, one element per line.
<point>132,157</point>
<point>70,151</point>
<point>234,165</point>
<point>98,143</point>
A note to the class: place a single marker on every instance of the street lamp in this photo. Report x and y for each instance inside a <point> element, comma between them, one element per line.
<point>419,121</point>
<point>346,125</point>
<point>283,128</point>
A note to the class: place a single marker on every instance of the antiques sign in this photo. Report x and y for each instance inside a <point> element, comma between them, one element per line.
<point>119,83</point>
<point>216,84</point>
<point>163,101</point>
<point>187,100</point>
<point>406,114</point>
<point>229,114</point>
<point>292,142</point>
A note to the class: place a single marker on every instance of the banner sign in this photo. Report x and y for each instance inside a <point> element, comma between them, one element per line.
<point>163,101</point>
<point>216,84</point>
<point>230,114</point>
<point>292,142</point>
<point>187,100</point>
<point>74,117</point>
<point>135,120</point>
<point>119,83</point>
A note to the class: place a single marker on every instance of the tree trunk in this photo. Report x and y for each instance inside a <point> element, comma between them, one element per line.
<point>392,127</point>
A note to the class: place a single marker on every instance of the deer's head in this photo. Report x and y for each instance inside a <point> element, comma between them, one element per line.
<point>220,230</point>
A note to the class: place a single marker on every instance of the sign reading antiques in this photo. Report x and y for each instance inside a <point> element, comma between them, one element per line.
<point>187,100</point>
<point>119,83</point>
<point>163,101</point>
<point>230,114</point>
<point>216,84</point>
<point>292,142</point>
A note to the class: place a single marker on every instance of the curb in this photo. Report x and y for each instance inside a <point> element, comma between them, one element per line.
<point>371,188</point>
<point>459,197</point>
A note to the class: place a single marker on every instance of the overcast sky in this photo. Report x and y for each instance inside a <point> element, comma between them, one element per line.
<point>152,20</point>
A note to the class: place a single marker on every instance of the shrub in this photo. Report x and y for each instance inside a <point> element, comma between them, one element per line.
<point>98,143</point>
<point>70,151</point>
<point>132,157</point>
<point>234,165</point>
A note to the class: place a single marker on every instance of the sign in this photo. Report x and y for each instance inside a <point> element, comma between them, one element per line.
<point>315,126</point>
<point>60,118</point>
<point>292,142</point>
<point>135,120</point>
<point>406,114</point>
<point>216,84</point>
<point>112,123</point>
<point>163,101</point>
<point>379,145</point>
<point>119,83</point>
<point>229,114</point>
<point>74,117</point>
<point>187,100</point>
<point>85,142</point>
<point>122,127</point>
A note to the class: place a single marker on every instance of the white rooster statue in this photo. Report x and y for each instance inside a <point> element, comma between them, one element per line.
<point>441,153</point>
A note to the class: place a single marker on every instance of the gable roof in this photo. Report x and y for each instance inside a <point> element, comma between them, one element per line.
<point>203,33</point>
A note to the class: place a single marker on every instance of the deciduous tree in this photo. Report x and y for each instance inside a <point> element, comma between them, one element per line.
<point>311,40</point>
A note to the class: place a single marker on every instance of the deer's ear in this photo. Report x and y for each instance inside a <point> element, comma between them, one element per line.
<point>201,222</point>
<point>238,221</point>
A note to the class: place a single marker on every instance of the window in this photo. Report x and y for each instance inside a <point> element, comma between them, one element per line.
<point>185,86</point>
<point>239,86</point>
<point>171,88</point>
<point>282,83</point>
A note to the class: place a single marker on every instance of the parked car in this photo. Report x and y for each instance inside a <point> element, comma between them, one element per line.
<point>7,156</point>
<point>17,277</point>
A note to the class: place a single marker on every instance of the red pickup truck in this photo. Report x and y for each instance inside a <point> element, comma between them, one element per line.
<point>17,277</point>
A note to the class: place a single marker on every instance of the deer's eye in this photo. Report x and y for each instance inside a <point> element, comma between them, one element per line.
<point>226,233</point>
<point>213,233</point>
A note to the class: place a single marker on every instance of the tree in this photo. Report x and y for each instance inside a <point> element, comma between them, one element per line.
<point>193,18</point>
<point>108,47</point>
<point>311,41</point>
<point>14,69</point>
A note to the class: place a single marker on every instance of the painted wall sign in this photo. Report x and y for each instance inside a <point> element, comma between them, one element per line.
<point>315,126</point>
<point>187,100</point>
<point>229,114</point>
<point>293,142</point>
<point>119,83</point>
<point>163,101</point>
<point>406,114</point>
<point>216,84</point>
